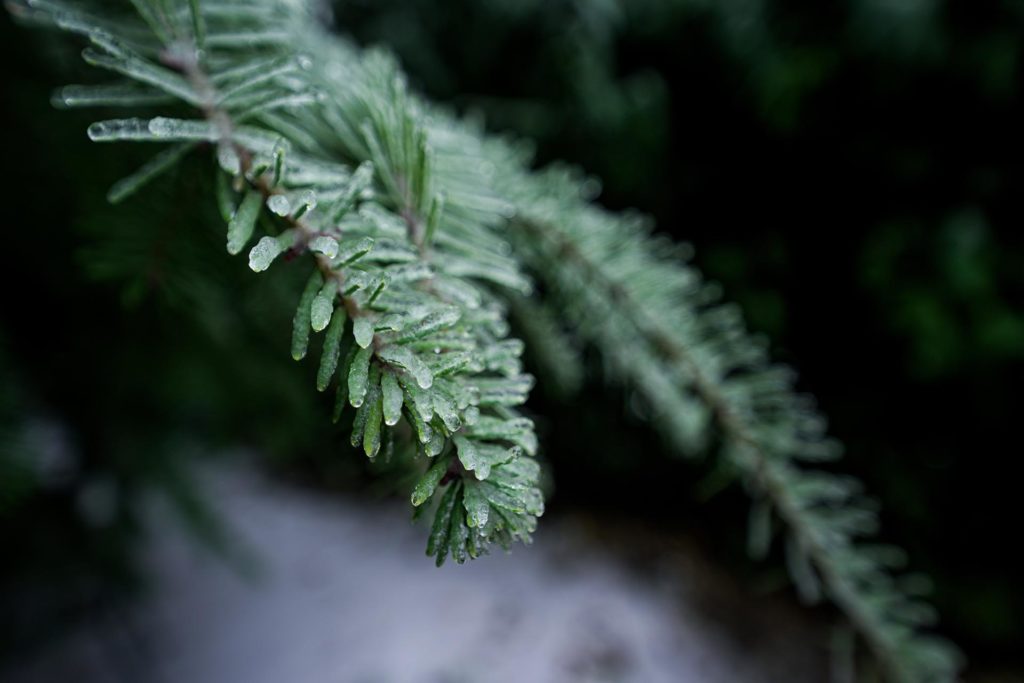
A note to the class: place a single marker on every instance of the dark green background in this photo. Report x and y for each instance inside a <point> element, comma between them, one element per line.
<point>850,173</point>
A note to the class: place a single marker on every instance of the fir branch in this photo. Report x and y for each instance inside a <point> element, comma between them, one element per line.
<point>419,228</point>
<point>422,338</point>
<point>819,510</point>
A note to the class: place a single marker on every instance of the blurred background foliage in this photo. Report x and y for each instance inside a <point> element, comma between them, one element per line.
<point>849,172</point>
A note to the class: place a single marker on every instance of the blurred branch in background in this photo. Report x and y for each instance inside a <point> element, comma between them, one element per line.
<point>850,173</point>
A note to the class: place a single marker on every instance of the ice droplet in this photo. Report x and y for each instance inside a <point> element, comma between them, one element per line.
<point>320,312</point>
<point>264,253</point>
<point>327,246</point>
<point>309,199</point>
<point>161,127</point>
<point>279,204</point>
<point>228,160</point>
<point>362,330</point>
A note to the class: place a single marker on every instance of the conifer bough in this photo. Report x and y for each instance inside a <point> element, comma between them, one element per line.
<point>420,233</point>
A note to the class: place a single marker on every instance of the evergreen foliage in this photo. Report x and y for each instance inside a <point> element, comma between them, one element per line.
<point>420,234</point>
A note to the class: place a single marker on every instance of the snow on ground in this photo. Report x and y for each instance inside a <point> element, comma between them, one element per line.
<point>343,593</point>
